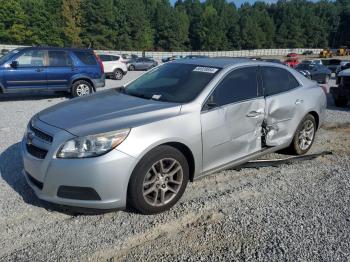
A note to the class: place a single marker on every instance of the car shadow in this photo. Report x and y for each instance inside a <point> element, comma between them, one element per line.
<point>33,96</point>
<point>331,105</point>
<point>11,166</point>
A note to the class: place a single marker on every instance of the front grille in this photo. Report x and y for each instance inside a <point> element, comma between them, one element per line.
<point>37,183</point>
<point>78,193</point>
<point>36,151</point>
<point>40,134</point>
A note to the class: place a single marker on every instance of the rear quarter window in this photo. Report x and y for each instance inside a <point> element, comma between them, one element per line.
<point>114,58</point>
<point>277,80</point>
<point>86,58</point>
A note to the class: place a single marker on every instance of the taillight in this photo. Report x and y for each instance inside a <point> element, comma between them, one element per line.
<point>100,63</point>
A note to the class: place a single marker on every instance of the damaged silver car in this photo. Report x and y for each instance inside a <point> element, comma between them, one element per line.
<point>139,145</point>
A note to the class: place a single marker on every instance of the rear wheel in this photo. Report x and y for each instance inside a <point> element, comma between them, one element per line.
<point>81,88</point>
<point>118,74</point>
<point>304,136</point>
<point>158,181</point>
<point>131,68</point>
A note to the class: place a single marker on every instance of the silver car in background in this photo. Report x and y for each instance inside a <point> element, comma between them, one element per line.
<point>141,63</point>
<point>140,145</point>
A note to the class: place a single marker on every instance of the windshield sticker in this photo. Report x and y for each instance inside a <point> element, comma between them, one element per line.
<point>156,97</point>
<point>204,69</point>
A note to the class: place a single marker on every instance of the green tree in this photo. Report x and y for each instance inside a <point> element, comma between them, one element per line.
<point>12,23</point>
<point>134,25</point>
<point>212,37</point>
<point>171,27</point>
<point>98,24</point>
<point>44,23</point>
<point>71,14</point>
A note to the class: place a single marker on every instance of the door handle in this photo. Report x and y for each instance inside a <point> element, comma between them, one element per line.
<point>254,113</point>
<point>39,69</point>
<point>299,101</point>
<point>74,69</point>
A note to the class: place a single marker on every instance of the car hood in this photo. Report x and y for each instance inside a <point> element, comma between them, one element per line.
<point>345,72</point>
<point>106,111</point>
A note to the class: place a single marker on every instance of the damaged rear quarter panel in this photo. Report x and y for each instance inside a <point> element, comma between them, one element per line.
<point>285,111</point>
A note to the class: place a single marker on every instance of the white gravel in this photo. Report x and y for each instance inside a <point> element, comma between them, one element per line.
<point>298,212</point>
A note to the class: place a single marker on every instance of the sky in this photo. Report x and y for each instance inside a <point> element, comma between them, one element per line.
<point>238,3</point>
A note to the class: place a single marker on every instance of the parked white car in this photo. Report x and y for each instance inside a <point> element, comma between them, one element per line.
<point>113,66</point>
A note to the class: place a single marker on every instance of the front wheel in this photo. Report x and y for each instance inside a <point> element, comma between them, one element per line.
<point>131,68</point>
<point>304,136</point>
<point>158,181</point>
<point>81,88</point>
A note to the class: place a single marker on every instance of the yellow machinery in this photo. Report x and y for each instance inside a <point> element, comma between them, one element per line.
<point>343,51</point>
<point>326,53</point>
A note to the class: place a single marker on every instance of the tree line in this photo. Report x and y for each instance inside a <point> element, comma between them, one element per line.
<point>186,25</point>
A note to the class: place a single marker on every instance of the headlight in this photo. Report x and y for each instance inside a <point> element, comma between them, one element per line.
<point>93,145</point>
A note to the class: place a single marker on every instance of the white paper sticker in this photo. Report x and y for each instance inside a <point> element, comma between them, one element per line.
<point>204,69</point>
<point>156,97</point>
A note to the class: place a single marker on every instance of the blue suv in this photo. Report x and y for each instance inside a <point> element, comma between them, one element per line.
<point>78,71</point>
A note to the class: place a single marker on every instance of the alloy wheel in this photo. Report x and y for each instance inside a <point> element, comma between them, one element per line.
<point>162,182</point>
<point>118,75</point>
<point>306,135</point>
<point>83,90</point>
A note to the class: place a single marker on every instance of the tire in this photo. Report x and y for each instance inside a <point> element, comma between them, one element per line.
<point>149,186</point>
<point>118,74</point>
<point>131,68</point>
<point>296,147</point>
<point>340,102</point>
<point>81,88</point>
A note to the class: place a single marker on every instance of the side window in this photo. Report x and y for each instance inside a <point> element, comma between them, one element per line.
<point>59,58</point>
<point>104,58</point>
<point>277,80</point>
<point>241,84</point>
<point>114,58</point>
<point>31,58</point>
<point>86,57</point>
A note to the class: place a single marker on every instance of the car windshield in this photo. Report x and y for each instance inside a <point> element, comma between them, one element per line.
<point>4,58</point>
<point>172,82</point>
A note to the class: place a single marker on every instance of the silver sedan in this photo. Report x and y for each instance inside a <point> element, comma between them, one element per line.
<point>140,145</point>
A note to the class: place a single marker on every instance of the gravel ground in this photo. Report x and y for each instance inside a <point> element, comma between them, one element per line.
<point>297,212</point>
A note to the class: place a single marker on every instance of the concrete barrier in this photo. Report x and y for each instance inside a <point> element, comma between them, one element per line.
<point>233,53</point>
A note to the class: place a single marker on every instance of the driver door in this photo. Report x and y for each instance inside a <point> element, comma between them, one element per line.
<point>232,119</point>
<point>30,72</point>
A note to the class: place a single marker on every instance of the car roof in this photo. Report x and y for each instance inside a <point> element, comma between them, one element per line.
<point>345,72</point>
<point>214,62</point>
<point>55,48</point>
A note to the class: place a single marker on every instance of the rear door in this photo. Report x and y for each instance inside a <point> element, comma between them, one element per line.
<point>60,70</point>
<point>30,74</point>
<point>232,119</point>
<point>140,64</point>
<point>284,107</point>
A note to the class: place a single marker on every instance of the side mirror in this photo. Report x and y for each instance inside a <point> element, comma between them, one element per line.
<point>211,105</point>
<point>14,64</point>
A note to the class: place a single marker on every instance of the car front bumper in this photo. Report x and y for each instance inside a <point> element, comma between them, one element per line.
<point>99,182</point>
